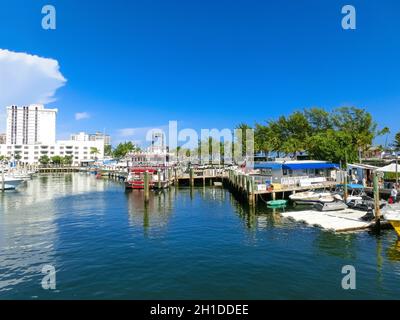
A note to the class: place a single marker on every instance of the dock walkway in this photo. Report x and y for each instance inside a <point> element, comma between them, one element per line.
<point>338,221</point>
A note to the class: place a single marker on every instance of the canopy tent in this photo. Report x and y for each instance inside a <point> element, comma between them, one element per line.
<point>390,168</point>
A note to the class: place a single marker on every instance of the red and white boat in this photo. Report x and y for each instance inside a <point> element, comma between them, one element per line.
<point>135,178</point>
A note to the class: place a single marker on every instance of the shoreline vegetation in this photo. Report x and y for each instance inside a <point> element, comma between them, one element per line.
<point>340,135</point>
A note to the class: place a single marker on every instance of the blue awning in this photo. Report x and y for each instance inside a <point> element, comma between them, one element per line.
<point>268,165</point>
<point>353,186</point>
<point>317,165</point>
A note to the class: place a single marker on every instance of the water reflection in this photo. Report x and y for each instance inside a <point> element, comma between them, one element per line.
<point>153,215</point>
<point>343,245</point>
<point>393,252</point>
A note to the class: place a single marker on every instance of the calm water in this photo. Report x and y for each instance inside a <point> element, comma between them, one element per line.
<point>198,244</point>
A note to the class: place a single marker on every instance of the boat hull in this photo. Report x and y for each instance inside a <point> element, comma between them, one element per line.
<point>396,226</point>
<point>10,184</point>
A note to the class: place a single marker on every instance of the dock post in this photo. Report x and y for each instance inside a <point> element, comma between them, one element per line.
<point>146,187</point>
<point>3,181</point>
<point>159,180</point>
<point>176,177</point>
<point>376,199</point>
<point>191,177</point>
<point>346,191</point>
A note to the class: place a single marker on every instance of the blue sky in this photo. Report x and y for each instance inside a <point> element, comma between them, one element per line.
<point>138,64</point>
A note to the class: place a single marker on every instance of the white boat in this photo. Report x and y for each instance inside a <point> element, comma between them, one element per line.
<point>10,183</point>
<point>391,213</point>
<point>313,197</point>
<point>336,205</point>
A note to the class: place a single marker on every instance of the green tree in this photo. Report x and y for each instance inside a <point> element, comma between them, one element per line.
<point>332,145</point>
<point>324,135</point>
<point>94,151</point>
<point>124,148</point>
<point>108,151</point>
<point>56,160</point>
<point>396,143</point>
<point>44,160</point>
<point>67,160</point>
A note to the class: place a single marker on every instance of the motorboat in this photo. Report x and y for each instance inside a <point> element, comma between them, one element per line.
<point>10,183</point>
<point>335,205</point>
<point>312,197</point>
<point>391,213</point>
<point>364,203</point>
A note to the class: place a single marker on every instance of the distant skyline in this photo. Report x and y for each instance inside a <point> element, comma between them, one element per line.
<point>126,66</point>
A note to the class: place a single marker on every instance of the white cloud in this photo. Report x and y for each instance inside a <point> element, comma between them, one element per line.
<point>27,79</point>
<point>82,116</point>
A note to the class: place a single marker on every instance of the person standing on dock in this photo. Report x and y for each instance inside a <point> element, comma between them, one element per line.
<point>393,194</point>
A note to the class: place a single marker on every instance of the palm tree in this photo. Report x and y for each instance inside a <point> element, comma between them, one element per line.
<point>95,152</point>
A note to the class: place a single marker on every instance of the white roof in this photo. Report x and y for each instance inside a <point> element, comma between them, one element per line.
<point>362,166</point>
<point>390,168</point>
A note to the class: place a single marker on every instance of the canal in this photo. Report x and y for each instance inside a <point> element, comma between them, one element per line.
<point>185,244</point>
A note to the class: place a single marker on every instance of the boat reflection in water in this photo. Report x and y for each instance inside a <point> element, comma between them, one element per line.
<point>393,252</point>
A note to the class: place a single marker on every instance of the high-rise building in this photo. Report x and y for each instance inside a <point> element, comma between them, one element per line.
<point>31,125</point>
<point>98,136</point>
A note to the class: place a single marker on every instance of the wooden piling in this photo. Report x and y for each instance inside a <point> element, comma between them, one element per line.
<point>376,198</point>
<point>146,187</point>
<point>191,177</point>
<point>3,181</point>
<point>159,180</point>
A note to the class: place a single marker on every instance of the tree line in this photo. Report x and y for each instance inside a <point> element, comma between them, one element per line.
<point>337,135</point>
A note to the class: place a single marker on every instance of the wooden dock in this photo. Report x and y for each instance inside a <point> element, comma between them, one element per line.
<point>338,221</point>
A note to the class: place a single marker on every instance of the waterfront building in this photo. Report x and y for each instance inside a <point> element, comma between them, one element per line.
<point>31,133</point>
<point>30,125</point>
<point>30,154</point>
<point>297,173</point>
<point>98,136</point>
<point>361,174</point>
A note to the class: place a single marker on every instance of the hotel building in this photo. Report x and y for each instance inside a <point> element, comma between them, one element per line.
<point>31,133</point>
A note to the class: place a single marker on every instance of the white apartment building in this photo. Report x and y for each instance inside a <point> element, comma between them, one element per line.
<point>30,154</point>
<point>31,133</point>
<point>31,125</point>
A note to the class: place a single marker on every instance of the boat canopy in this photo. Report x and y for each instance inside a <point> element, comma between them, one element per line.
<point>316,165</point>
<point>296,165</point>
<point>268,165</point>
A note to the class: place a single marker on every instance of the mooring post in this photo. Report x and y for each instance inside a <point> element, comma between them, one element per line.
<point>159,179</point>
<point>191,177</point>
<point>376,198</point>
<point>146,187</point>
<point>176,177</point>
<point>3,181</point>
<point>346,191</point>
